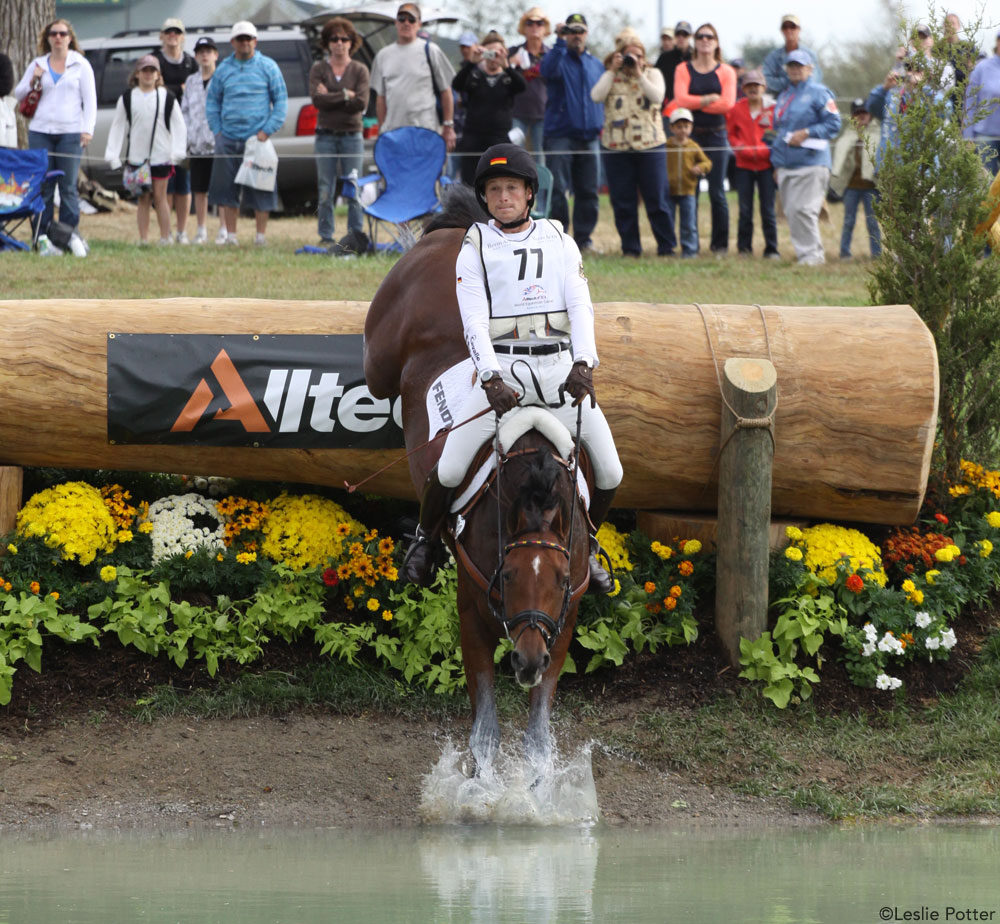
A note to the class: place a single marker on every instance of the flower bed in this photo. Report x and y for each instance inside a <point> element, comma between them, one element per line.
<point>214,575</point>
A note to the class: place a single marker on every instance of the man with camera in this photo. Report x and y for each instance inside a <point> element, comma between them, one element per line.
<point>573,122</point>
<point>489,84</point>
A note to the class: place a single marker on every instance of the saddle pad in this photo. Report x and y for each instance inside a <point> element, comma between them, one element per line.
<point>447,394</point>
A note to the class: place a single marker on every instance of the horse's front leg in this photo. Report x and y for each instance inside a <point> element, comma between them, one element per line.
<point>477,656</point>
<point>537,737</point>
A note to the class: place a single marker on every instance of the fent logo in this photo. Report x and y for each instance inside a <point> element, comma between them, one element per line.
<point>285,397</point>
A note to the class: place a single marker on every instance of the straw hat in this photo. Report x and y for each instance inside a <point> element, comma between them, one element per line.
<point>536,12</point>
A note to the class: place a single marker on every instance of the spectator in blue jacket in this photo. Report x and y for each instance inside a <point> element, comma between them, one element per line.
<point>805,119</point>
<point>573,122</point>
<point>982,111</point>
<point>247,97</point>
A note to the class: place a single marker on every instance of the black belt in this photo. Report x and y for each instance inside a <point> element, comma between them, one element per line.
<point>542,350</point>
<point>328,131</point>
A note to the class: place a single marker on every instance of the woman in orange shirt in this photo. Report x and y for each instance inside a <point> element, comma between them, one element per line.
<point>707,86</point>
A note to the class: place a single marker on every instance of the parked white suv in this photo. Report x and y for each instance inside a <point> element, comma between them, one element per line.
<point>294,47</point>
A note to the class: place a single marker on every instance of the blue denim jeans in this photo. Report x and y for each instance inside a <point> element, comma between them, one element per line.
<point>533,135</point>
<point>336,156</point>
<point>64,154</point>
<point>716,186</point>
<point>574,164</point>
<point>763,181</point>
<point>686,223</point>
<point>851,199</point>
<point>629,174</point>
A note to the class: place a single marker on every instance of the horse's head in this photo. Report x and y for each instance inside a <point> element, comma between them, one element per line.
<point>537,586</point>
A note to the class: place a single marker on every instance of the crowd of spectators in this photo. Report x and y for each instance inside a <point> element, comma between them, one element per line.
<point>658,132</point>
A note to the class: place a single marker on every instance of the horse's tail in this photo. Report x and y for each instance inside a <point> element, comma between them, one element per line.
<point>459,209</point>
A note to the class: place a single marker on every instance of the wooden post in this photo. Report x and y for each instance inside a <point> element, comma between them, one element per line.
<point>749,387</point>
<point>11,484</point>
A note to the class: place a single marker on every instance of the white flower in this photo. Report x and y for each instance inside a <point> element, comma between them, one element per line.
<point>891,644</point>
<point>885,682</point>
<point>868,650</point>
<point>923,620</point>
<point>932,642</point>
<point>948,639</point>
<point>871,633</point>
<point>174,529</point>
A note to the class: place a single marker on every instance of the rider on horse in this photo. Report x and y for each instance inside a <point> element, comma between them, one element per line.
<point>528,319</point>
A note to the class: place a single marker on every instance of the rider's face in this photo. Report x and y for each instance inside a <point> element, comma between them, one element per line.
<point>506,197</point>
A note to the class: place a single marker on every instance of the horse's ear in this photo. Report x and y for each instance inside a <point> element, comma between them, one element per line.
<point>552,518</point>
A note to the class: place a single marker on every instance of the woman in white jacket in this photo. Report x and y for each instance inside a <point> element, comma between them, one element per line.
<point>149,133</point>
<point>63,123</point>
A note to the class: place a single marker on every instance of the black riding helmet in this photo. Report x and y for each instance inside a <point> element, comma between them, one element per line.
<point>506,160</point>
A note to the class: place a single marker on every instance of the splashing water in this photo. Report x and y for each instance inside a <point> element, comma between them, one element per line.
<point>511,791</point>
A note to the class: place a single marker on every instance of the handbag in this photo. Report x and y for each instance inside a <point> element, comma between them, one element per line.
<point>30,102</point>
<point>139,179</point>
<point>259,169</point>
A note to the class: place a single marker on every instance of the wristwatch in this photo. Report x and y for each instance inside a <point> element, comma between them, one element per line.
<point>488,375</point>
<point>448,123</point>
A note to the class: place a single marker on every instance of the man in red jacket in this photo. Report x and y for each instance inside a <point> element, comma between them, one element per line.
<point>748,123</point>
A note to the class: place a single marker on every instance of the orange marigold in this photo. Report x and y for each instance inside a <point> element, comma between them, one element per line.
<point>686,568</point>
<point>670,602</point>
<point>855,584</point>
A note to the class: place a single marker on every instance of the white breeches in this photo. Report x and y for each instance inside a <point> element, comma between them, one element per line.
<point>550,371</point>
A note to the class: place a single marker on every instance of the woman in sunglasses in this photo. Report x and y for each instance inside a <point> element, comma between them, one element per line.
<point>339,90</point>
<point>707,86</point>
<point>529,106</point>
<point>63,123</point>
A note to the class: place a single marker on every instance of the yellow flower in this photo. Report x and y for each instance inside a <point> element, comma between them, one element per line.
<point>670,602</point>
<point>71,517</point>
<point>387,615</point>
<point>244,558</point>
<point>916,597</point>
<point>109,573</point>
<point>993,518</point>
<point>34,587</point>
<point>359,591</point>
<point>349,603</point>
<point>7,586</point>
<point>793,533</point>
<point>220,557</point>
<point>944,554</point>
<point>930,575</point>
<point>826,544</point>
<point>957,490</point>
<point>909,586</point>
<point>372,604</point>
<point>145,527</point>
<point>691,547</point>
<point>649,587</point>
<point>12,548</point>
<point>124,535</point>
<point>613,542</point>
<point>675,591</point>
<point>985,547</point>
<point>189,553</point>
<point>793,553</point>
<point>661,550</point>
<point>54,594</point>
<point>686,568</point>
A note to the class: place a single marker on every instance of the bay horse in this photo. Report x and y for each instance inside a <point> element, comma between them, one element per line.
<point>522,548</point>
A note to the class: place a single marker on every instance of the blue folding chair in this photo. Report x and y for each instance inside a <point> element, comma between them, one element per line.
<point>410,161</point>
<point>21,176</point>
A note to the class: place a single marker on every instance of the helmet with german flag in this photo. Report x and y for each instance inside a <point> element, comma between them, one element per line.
<point>505,160</point>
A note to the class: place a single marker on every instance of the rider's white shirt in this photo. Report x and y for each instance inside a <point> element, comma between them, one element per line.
<point>530,279</point>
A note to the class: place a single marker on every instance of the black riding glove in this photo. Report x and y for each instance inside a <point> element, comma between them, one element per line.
<point>501,396</point>
<point>580,383</point>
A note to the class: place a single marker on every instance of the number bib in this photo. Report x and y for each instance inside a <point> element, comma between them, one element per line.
<point>523,277</point>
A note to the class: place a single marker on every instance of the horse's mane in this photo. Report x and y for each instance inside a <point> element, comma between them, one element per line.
<point>538,490</point>
<point>459,209</point>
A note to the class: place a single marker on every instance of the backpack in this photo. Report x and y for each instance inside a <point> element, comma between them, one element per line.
<point>168,106</point>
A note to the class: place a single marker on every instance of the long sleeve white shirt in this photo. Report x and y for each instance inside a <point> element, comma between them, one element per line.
<point>169,141</point>
<point>68,105</point>
<point>475,309</point>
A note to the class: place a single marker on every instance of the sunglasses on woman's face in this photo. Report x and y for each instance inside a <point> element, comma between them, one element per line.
<point>534,22</point>
<point>406,17</point>
<point>56,33</point>
<point>339,38</point>
<point>705,37</point>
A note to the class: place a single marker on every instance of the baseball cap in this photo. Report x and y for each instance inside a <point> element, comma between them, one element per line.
<point>923,29</point>
<point>172,23</point>
<point>755,76</point>
<point>857,106</point>
<point>737,62</point>
<point>792,18</point>
<point>243,28</point>
<point>799,56</point>
<point>683,26</point>
<point>410,8</point>
<point>679,114</point>
<point>147,61</point>
<point>576,19</point>
<point>492,36</point>
<point>205,42</point>
<point>666,30</point>
<point>467,39</point>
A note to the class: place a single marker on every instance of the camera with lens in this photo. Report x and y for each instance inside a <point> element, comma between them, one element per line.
<point>489,54</point>
<point>628,61</point>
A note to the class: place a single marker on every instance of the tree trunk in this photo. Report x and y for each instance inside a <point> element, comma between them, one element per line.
<point>21,21</point>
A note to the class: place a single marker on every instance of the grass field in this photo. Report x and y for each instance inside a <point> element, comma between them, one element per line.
<point>118,268</point>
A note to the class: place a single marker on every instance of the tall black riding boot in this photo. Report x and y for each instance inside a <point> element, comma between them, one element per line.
<point>421,558</point>
<point>600,503</point>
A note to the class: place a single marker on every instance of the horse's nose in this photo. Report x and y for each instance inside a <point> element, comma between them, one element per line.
<point>546,661</point>
<point>517,661</point>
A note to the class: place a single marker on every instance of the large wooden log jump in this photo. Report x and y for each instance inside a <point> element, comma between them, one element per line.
<point>855,420</point>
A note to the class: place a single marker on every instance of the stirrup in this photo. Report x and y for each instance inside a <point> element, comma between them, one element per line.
<point>420,563</point>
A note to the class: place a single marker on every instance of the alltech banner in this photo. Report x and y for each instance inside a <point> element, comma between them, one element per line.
<point>280,391</point>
